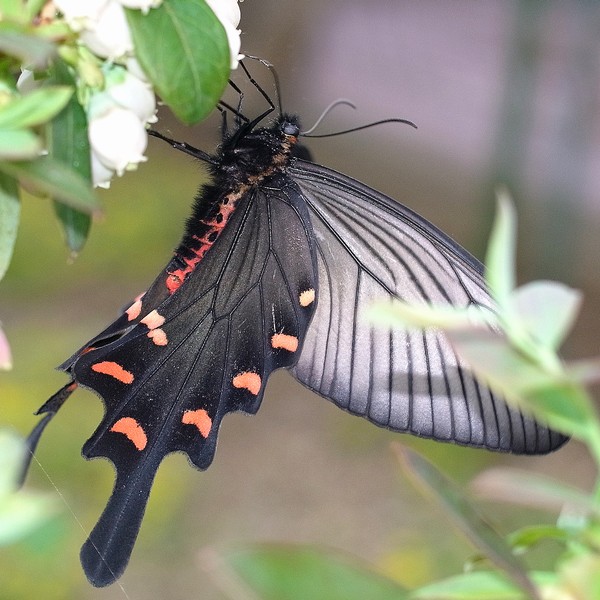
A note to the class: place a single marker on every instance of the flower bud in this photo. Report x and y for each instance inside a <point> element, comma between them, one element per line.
<point>118,138</point>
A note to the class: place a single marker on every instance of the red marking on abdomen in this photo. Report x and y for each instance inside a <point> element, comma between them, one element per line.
<point>287,342</point>
<point>158,336</point>
<point>248,381</point>
<point>132,430</point>
<point>176,278</point>
<point>114,370</point>
<point>307,297</point>
<point>200,419</point>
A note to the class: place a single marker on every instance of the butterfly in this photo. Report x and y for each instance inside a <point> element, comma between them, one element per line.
<point>278,261</point>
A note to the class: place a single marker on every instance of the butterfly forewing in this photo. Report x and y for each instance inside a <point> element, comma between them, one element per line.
<point>369,249</point>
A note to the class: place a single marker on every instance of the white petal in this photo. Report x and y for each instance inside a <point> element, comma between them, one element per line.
<point>119,138</point>
<point>143,5</point>
<point>136,96</point>
<point>101,175</point>
<point>80,14</point>
<point>109,36</point>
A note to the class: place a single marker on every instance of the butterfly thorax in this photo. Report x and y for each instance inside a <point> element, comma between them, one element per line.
<point>246,158</point>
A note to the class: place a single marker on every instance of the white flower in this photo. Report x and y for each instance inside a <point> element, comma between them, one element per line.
<point>108,36</point>
<point>228,12</point>
<point>143,5</point>
<point>118,138</point>
<point>101,175</point>
<point>26,82</point>
<point>80,14</point>
<point>132,93</point>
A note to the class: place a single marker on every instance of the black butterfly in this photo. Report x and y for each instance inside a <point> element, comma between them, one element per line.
<point>277,263</point>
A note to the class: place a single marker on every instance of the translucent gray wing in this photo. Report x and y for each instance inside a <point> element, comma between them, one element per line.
<point>370,248</point>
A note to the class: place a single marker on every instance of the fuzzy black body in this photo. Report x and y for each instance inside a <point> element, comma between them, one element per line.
<point>278,260</point>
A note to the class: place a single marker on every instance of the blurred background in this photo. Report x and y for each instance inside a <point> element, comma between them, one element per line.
<point>503,93</point>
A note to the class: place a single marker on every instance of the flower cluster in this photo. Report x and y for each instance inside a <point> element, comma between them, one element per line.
<point>120,109</point>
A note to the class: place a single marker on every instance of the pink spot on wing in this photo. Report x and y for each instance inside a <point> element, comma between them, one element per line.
<point>158,336</point>
<point>133,312</point>
<point>249,381</point>
<point>287,342</point>
<point>153,320</point>
<point>200,419</point>
<point>132,430</point>
<point>114,370</point>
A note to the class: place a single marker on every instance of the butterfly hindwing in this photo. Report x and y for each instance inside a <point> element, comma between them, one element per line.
<point>369,249</point>
<point>235,319</point>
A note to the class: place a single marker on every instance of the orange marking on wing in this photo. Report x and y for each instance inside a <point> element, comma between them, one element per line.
<point>249,381</point>
<point>307,297</point>
<point>153,320</point>
<point>200,419</point>
<point>287,342</point>
<point>132,430</point>
<point>114,370</point>
<point>133,312</point>
<point>158,336</point>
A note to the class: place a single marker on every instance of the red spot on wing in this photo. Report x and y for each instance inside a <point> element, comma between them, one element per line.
<point>200,419</point>
<point>153,320</point>
<point>307,297</point>
<point>158,336</point>
<point>287,342</point>
<point>132,430</point>
<point>114,370</point>
<point>249,381</point>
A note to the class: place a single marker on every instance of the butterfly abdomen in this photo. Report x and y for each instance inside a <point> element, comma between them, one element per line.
<point>242,163</point>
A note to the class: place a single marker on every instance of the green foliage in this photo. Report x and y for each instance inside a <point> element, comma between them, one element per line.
<point>21,513</point>
<point>189,67</point>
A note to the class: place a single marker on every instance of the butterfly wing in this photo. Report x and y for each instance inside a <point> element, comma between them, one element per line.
<point>371,248</point>
<point>170,375</point>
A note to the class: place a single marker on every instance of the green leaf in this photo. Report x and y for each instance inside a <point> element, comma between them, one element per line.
<point>500,258</point>
<point>76,225</point>
<point>54,179</point>
<point>531,489</point>
<point>420,316</point>
<point>425,476</point>
<point>30,50</point>
<point>68,142</point>
<point>190,66</point>
<point>286,572</point>
<point>12,10</point>
<point>551,397</point>
<point>10,211</point>
<point>478,585</point>
<point>20,512</point>
<point>527,537</point>
<point>19,144</point>
<point>547,310</point>
<point>34,108</point>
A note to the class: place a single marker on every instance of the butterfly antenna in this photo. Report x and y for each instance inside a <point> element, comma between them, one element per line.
<point>184,147</point>
<point>367,126</point>
<point>335,103</point>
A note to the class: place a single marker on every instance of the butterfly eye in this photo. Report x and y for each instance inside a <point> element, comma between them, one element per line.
<point>290,129</point>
